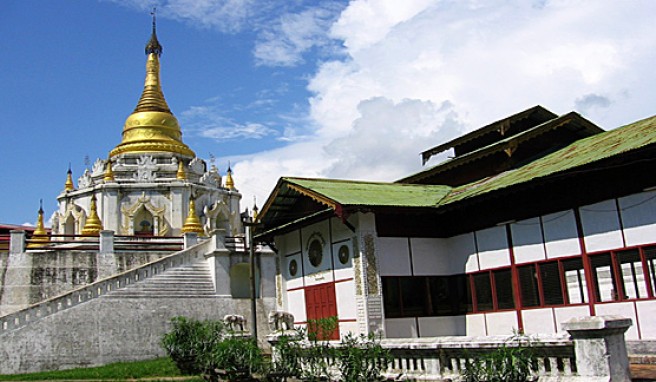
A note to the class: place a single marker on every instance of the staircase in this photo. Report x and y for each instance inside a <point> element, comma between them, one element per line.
<point>188,281</point>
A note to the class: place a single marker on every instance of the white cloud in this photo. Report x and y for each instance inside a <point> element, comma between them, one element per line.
<point>209,122</point>
<point>284,42</point>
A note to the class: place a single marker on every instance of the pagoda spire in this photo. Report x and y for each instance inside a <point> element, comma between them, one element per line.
<point>93,225</point>
<point>69,186</point>
<point>152,127</point>
<point>153,45</point>
<point>192,223</point>
<point>40,235</point>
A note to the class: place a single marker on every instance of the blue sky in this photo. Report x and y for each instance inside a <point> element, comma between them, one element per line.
<point>346,89</point>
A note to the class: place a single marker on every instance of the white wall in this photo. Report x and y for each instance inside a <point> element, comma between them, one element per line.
<point>560,234</point>
<point>492,246</point>
<point>442,326</point>
<point>539,321</point>
<point>393,256</point>
<point>601,226</point>
<point>638,213</point>
<point>528,245</point>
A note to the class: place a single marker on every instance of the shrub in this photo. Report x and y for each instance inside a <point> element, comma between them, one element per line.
<point>190,342</point>
<point>514,362</point>
<point>236,358</point>
<point>362,358</point>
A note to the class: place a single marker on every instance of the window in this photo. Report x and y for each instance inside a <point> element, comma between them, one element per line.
<point>632,275</point>
<point>603,277</point>
<point>424,296</point>
<point>483,291</point>
<point>551,283</point>
<point>528,284</point>
<point>504,289</point>
<point>650,259</point>
<point>577,288</point>
<point>449,295</point>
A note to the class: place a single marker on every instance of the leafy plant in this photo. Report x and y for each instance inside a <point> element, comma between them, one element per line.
<point>318,356</point>
<point>235,359</point>
<point>190,343</point>
<point>513,361</point>
<point>362,358</point>
<point>287,358</point>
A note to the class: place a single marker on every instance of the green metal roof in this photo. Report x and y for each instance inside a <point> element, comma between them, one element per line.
<point>579,153</point>
<point>358,193</point>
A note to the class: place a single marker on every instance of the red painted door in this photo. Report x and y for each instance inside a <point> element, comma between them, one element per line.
<point>320,302</point>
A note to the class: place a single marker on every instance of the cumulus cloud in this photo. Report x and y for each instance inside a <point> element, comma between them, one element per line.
<point>284,42</point>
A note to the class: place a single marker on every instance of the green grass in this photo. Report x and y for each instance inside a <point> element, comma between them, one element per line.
<point>161,368</point>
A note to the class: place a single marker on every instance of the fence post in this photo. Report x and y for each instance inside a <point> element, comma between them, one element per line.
<point>190,239</point>
<point>16,241</point>
<point>106,260</point>
<point>599,347</point>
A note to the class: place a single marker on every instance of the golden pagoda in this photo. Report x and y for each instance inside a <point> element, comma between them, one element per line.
<point>93,225</point>
<point>192,223</point>
<point>229,182</point>
<point>152,127</point>
<point>40,235</point>
<point>181,174</point>
<point>69,186</point>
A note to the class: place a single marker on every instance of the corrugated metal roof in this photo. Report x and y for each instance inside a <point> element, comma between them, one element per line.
<point>579,153</point>
<point>357,193</point>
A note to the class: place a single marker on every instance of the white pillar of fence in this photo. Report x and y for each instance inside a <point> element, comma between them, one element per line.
<point>106,259</point>
<point>190,239</point>
<point>600,347</point>
<point>16,241</point>
<point>106,242</point>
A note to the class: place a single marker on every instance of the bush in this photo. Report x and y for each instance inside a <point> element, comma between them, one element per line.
<point>514,362</point>
<point>190,343</point>
<point>362,358</point>
<point>235,359</point>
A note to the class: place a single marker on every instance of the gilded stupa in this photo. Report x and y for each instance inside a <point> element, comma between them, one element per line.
<point>145,184</point>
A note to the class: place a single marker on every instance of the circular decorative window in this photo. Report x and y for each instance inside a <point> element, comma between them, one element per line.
<point>315,252</point>
<point>343,254</point>
<point>293,267</point>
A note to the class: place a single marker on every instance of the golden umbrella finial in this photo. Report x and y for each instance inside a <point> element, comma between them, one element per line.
<point>40,235</point>
<point>69,186</point>
<point>93,225</point>
<point>192,223</point>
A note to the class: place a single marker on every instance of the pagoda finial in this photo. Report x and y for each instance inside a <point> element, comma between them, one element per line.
<point>93,225</point>
<point>153,45</point>
<point>40,235</point>
<point>69,186</point>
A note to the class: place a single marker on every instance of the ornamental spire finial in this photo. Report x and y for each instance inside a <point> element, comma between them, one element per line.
<point>153,45</point>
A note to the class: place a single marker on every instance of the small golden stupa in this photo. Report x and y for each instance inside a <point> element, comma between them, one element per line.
<point>192,223</point>
<point>40,235</point>
<point>93,225</point>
